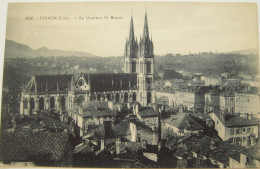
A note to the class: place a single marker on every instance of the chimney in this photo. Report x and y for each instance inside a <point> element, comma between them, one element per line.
<point>212,144</point>
<point>133,131</point>
<point>102,144</point>
<point>80,110</point>
<point>135,109</point>
<point>223,116</point>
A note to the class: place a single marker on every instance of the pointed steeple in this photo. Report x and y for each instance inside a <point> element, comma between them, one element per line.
<point>146,31</point>
<point>131,32</point>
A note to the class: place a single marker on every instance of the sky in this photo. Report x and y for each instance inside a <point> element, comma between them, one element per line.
<point>175,27</point>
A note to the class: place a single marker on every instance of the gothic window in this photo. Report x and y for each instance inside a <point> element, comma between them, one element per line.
<point>141,67</point>
<point>125,98</point>
<point>148,67</point>
<point>117,98</point>
<point>127,64</point>
<point>63,102</point>
<point>52,102</point>
<point>32,103</point>
<point>149,98</point>
<point>25,103</point>
<point>81,82</point>
<point>41,103</point>
<point>133,66</point>
<point>134,97</point>
<point>109,97</point>
<point>99,97</point>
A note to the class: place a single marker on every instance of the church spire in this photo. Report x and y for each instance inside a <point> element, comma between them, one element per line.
<point>146,31</point>
<point>131,32</point>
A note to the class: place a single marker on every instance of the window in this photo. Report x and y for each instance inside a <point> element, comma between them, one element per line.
<point>238,131</point>
<point>231,131</point>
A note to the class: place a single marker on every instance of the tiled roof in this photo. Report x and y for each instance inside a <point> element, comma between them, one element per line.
<point>95,109</point>
<point>82,148</point>
<point>184,121</point>
<point>111,81</point>
<point>221,152</point>
<point>239,121</point>
<point>122,128</point>
<point>148,112</point>
<point>20,146</point>
<point>253,152</point>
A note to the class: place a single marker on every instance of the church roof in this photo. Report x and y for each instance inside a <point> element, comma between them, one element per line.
<point>111,81</point>
<point>51,82</point>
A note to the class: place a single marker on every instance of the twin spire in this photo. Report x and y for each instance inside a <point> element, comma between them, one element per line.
<point>145,47</point>
<point>145,31</point>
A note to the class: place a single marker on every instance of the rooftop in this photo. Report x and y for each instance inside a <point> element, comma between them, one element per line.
<point>147,112</point>
<point>239,121</point>
<point>111,81</point>
<point>184,121</point>
<point>21,146</point>
<point>94,109</point>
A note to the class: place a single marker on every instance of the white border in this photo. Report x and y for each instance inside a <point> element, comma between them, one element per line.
<point>3,17</point>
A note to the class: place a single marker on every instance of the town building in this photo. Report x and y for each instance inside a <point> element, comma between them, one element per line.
<point>147,115</point>
<point>192,97</point>
<point>237,130</point>
<point>212,101</point>
<point>166,97</point>
<point>212,80</point>
<point>248,101</point>
<point>91,114</point>
<point>181,124</point>
<point>227,101</point>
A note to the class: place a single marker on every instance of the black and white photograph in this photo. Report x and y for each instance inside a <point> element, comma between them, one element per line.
<point>151,84</point>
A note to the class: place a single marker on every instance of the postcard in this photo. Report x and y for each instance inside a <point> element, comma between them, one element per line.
<point>151,84</point>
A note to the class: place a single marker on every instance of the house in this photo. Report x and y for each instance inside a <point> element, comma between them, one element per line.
<point>227,101</point>
<point>248,101</point>
<point>91,114</point>
<point>147,115</point>
<point>225,75</point>
<point>135,131</point>
<point>36,148</point>
<point>191,97</point>
<point>212,101</point>
<point>237,130</point>
<point>165,97</point>
<point>213,80</point>
<point>181,124</point>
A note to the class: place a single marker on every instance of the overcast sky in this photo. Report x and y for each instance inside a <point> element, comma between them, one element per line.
<point>175,27</point>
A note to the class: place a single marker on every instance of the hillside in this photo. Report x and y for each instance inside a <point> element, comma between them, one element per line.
<point>14,49</point>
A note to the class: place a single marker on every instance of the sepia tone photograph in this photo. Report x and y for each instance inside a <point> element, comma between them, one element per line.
<point>131,85</point>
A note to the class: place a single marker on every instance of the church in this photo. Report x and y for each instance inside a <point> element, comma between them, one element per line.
<point>136,84</point>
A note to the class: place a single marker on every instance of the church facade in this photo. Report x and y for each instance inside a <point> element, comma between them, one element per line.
<point>136,84</point>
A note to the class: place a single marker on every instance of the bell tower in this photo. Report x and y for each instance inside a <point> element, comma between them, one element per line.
<point>140,59</point>
<point>131,49</point>
<point>146,67</point>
